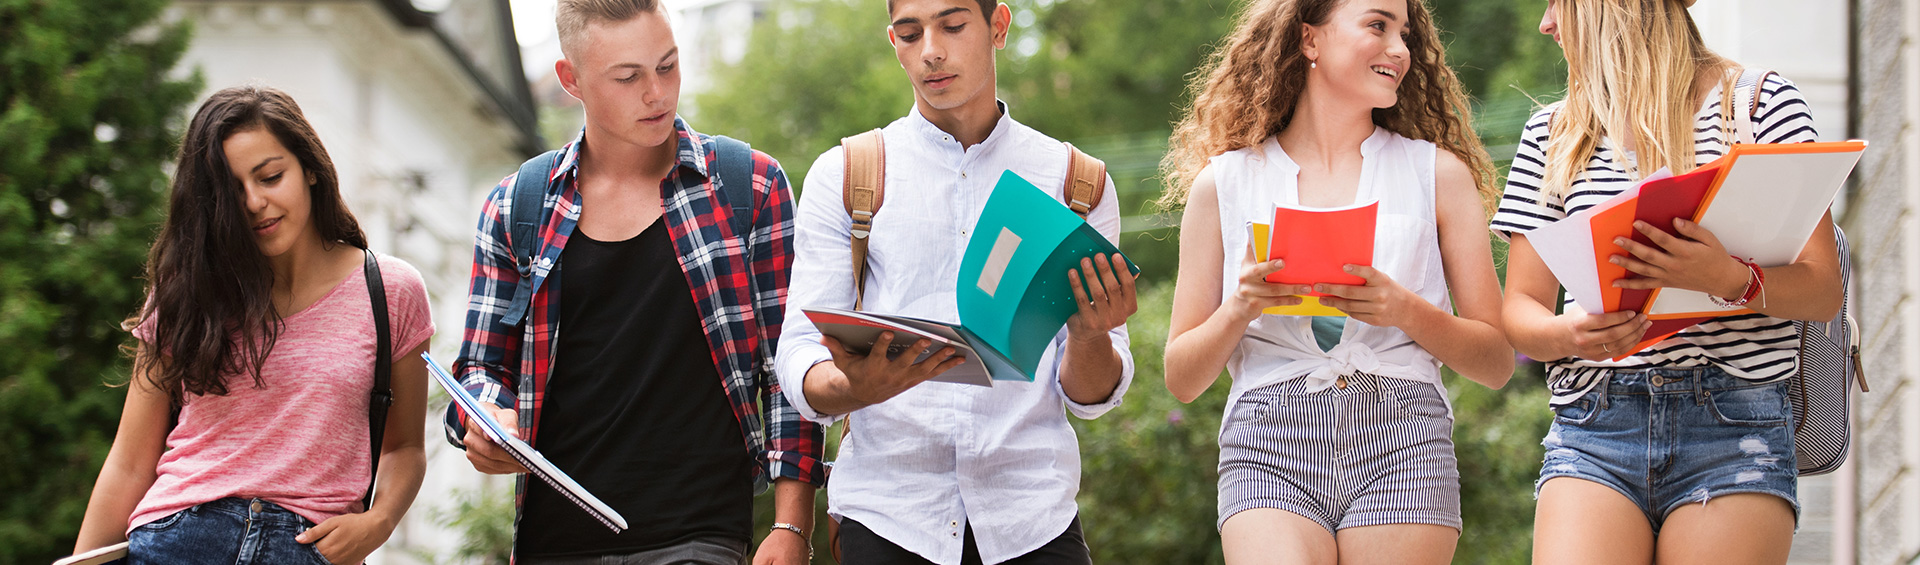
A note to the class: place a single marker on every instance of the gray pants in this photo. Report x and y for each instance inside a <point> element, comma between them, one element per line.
<point>702,551</point>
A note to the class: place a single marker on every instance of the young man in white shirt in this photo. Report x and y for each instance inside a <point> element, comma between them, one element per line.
<point>935,472</point>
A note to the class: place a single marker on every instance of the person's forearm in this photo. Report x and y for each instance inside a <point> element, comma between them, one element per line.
<point>1473,348</point>
<point>1800,291</point>
<point>1090,369</point>
<point>793,503</point>
<point>827,390</point>
<point>402,469</point>
<point>115,495</point>
<point>1194,358</point>
<point>1533,329</point>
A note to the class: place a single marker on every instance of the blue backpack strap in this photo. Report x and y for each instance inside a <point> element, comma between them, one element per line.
<point>530,187</point>
<point>735,164</point>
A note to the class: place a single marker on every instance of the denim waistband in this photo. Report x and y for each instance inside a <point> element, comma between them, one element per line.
<point>253,509</point>
<point>1676,380</point>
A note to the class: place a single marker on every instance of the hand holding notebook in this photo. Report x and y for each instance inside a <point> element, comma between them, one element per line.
<point>1761,201</point>
<point>1316,244</point>
<point>1013,294</point>
<point>536,464</point>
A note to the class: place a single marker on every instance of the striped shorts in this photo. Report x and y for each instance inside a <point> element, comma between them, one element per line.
<point>1369,451</point>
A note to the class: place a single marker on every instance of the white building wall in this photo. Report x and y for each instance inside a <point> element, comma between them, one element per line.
<point>417,146</point>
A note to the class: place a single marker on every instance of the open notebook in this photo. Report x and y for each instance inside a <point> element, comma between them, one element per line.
<point>1013,295</point>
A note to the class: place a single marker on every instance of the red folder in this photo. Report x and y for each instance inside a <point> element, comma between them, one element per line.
<point>1317,244</point>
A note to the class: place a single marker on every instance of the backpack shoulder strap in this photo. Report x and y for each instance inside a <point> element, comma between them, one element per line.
<point>1086,181</point>
<point>382,396</point>
<point>735,164</point>
<point>530,188</point>
<point>864,189</point>
<point>1745,93</point>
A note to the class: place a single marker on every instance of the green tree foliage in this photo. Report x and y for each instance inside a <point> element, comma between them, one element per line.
<point>87,115</point>
<point>815,71</point>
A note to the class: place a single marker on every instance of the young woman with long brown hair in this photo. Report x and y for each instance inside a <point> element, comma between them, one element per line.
<point>1324,103</point>
<point>245,437</point>
<point>1639,446</point>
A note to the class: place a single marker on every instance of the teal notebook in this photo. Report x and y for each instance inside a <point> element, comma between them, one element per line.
<point>1013,293</point>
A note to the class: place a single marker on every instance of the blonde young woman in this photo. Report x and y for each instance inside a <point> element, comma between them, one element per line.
<point>1325,103</point>
<point>1680,453</point>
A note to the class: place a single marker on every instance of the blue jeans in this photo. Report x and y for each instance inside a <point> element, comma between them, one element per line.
<point>1669,437</point>
<point>229,531</point>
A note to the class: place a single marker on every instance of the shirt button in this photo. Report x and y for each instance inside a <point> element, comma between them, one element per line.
<point>1341,384</point>
<point>963,174</point>
<point>953,524</point>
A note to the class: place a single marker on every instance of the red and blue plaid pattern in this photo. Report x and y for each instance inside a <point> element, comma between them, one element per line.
<point>739,285</point>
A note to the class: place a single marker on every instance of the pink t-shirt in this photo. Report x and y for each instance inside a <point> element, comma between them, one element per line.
<point>300,440</point>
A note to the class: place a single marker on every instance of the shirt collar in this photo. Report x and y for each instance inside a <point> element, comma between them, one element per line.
<point>933,133</point>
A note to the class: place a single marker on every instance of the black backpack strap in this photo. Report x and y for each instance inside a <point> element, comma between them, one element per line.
<point>382,398</point>
<point>530,188</point>
<point>735,173</point>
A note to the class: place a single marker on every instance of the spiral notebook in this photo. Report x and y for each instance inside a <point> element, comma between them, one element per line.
<point>532,460</point>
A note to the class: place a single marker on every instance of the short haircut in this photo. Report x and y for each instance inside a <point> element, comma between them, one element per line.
<point>986,8</point>
<point>571,17</point>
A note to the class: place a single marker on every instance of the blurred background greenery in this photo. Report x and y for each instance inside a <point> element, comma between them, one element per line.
<point>1110,76</point>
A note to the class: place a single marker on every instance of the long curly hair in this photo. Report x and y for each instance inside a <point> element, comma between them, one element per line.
<point>1248,89</point>
<point>209,289</point>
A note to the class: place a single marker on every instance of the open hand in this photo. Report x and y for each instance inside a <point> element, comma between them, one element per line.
<point>1380,302</point>
<point>1254,294</point>
<point>873,378</point>
<point>1691,258</point>
<point>1599,337</point>
<point>1103,288</point>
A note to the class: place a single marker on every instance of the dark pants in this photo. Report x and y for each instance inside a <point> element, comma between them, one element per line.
<point>699,551</point>
<point>861,546</point>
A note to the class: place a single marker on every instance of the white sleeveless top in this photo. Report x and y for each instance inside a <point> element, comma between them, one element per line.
<point>1396,171</point>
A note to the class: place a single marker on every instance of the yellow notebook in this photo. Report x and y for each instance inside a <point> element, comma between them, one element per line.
<point>1311,305</point>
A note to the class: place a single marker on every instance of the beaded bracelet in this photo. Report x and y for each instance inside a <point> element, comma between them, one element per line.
<point>1756,280</point>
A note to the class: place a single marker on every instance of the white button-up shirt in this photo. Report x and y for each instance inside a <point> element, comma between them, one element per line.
<point>920,467</point>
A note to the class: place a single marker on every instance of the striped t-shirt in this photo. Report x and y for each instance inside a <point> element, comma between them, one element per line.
<point>1750,346</point>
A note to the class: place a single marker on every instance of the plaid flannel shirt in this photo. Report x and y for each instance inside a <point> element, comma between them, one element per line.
<point>739,285</point>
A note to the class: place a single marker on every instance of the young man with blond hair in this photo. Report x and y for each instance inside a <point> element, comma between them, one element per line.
<point>935,472</point>
<point>659,397</point>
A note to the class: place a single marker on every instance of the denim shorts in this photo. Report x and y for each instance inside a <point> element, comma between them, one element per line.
<point>229,531</point>
<point>1668,437</point>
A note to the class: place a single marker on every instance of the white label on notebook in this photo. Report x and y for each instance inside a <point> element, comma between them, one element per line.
<point>996,267</point>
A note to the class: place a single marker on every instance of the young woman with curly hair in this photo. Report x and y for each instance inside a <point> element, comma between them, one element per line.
<point>1326,103</point>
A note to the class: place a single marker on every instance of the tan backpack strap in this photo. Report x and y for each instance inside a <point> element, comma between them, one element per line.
<point>1086,181</point>
<point>865,188</point>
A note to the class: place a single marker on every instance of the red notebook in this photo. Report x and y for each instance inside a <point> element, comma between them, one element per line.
<point>1660,203</point>
<point>1318,243</point>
